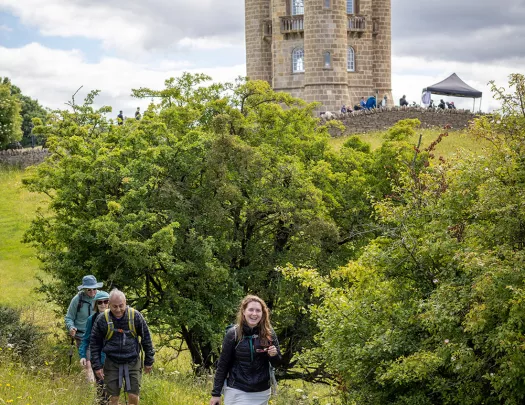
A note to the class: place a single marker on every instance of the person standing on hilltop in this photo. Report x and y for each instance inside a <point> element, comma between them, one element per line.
<point>116,333</point>
<point>137,114</point>
<point>120,118</point>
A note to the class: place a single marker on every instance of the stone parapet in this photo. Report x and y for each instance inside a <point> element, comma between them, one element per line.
<point>381,119</point>
<point>23,157</point>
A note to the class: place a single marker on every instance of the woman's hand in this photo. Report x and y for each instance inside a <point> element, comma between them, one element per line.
<point>215,401</point>
<point>83,362</point>
<point>272,351</point>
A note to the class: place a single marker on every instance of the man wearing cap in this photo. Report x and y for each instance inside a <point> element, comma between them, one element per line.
<point>80,308</point>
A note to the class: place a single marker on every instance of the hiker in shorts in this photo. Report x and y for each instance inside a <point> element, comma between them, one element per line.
<point>116,333</point>
<point>100,304</point>
<point>80,308</point>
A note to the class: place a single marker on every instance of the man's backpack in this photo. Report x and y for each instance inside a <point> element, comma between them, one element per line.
<point>111,327</point>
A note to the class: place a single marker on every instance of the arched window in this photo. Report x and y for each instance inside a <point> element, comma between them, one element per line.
<point>350,63</point>
<point>297,7</point>
<point>298,60</point>
<point>350,6</point>
<point>327,60</point>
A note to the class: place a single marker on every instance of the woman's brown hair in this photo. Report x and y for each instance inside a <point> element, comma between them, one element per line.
<point>265,329</point>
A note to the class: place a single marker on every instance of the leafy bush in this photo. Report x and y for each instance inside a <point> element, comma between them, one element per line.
<point>19,340</point>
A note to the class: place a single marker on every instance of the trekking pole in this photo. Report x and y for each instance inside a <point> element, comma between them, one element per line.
<point>71,350</point>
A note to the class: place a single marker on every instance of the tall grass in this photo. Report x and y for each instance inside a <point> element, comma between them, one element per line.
<point>18,263</point>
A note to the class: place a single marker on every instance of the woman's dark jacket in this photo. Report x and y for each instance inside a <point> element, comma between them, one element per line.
<point>122,347</point>
<point>241,366</point>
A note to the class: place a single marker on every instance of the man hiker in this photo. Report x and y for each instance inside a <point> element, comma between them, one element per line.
<point>137,114</point>
<point>120,118</point>
<point>80,308</point>
<point>116,333</point>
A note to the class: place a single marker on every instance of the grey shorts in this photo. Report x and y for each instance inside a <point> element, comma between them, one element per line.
<point>111,377</point>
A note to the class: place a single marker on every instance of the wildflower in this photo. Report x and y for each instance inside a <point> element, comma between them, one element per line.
<point>446,341</point>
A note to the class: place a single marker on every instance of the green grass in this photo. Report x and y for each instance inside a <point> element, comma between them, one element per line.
<point>449,146</point>
<point>18,263</point>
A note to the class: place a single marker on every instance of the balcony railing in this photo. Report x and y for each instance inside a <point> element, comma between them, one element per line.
<point>292,23</point>
<point>356,23</point>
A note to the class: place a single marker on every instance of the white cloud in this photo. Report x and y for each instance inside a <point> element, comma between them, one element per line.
<point>5,28</point>
<point>52,76</point>
<point>134,27</point>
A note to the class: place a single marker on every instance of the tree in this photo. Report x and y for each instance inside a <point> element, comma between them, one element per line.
<point>197,203</point>
<point>433,310</point>
<point>10,120</point>
<point>29,109</point>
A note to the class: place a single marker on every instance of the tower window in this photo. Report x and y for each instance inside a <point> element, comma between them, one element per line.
<point>297,7</point>
<point>350,63</point>
<point>326,3</point>
<point>350,6</point>
<point>327,60</point>
<point>298,60</point>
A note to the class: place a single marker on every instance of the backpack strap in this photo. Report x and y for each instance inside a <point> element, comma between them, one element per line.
<point>111,327</point>
<point>131,321</point>
<point>82,302</point>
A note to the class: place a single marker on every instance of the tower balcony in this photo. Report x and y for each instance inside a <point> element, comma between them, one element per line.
<point>356,24</point>
<point>292,24</point>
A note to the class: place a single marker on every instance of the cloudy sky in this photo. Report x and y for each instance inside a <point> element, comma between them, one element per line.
<point>49,48</point>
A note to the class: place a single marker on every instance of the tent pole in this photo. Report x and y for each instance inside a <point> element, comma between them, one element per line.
<point>474,106</point>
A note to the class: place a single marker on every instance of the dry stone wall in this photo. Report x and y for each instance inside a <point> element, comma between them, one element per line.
<point>381,119</point>
<point>23,157</point>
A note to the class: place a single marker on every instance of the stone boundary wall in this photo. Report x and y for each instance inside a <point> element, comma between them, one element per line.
<point>23,157</point>
<point>380,119</point>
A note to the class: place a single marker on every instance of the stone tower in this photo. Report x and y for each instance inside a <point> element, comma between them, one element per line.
<point>330,51</point>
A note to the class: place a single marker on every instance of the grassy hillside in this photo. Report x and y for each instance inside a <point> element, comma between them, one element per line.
<point>172,381</point>
<point>447,148</point>
<point>18,264</point>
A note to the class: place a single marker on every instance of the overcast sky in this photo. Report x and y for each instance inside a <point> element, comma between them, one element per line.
<point>49,48</point>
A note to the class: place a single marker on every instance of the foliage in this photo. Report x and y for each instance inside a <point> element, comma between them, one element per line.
<point>10,120</point>
<point>29,109</point>
<point>197,203</point>
<point>433,310</point>
<point>20,340</point>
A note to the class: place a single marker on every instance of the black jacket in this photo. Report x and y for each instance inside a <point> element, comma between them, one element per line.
<point>241,366</point>
<point>122,347</point>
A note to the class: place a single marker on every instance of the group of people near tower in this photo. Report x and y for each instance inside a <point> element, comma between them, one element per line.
<point>115,348</point>
<point>365,104</point>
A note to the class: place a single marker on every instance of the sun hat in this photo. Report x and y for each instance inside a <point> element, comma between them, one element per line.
<point>89,282</point>
<point>101,295</point>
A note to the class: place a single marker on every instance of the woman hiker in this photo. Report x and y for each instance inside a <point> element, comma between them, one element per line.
<point>100,304</point>
<point>249,349</point>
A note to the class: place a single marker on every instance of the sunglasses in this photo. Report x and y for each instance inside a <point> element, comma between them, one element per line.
<point>105,302</point>
<point>90,289</point>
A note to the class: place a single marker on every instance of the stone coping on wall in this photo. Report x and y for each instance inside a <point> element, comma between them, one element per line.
<point>380,119</point>
<point>23,157</point>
